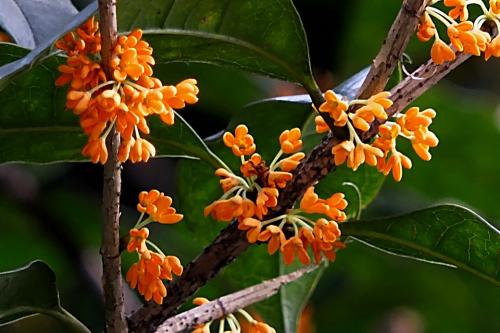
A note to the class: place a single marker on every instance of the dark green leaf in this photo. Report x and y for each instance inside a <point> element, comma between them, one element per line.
<point>262,36</point>
<point>295,295</point>
<point>446,234</point>
<point>32,289</point>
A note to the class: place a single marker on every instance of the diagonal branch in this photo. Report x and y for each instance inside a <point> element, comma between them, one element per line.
<point>230,303</point>
<point>231,242</point>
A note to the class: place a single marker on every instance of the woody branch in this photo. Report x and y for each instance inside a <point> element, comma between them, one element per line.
<point>231,242</point>
<point>111,264</point>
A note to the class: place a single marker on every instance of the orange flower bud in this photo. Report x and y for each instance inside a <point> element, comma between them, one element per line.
<point>290,141</point>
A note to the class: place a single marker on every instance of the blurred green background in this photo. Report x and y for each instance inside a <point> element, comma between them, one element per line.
<point>52,212</point>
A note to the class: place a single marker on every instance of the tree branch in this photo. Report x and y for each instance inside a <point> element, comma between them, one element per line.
<point>230,303</point>
<point>231,242</point>
<point>114,314</point>
<point>392,48</point>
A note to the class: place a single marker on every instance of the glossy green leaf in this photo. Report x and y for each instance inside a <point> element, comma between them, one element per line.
<point>34,126</point>
<point>262,36</point>
<point>32,289</point>
<point>295,295</point>
<point>448,234</point>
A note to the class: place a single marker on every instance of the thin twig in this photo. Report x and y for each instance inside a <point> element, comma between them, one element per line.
<point>114,314</point>
<point>231,242</point>
<point>230,303</point>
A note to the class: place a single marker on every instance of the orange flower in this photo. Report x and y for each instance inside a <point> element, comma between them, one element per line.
<point>325,249</point>
<point>342,151</point>
<point>147,201</point>
<point>200,301</point>
<point>290,141</point>
<point>279,178</point>
<point>250,168</point>
<point>228,181</point>
<point>291,162</point>
<point>241,143</point>
<point>415,125</point>
<point>146,275</point>
<point>335,204</point>
<point>274,237</point>
<point>252,226</point>
<point>225,210</point>
<point>321,125</point>
<point>326,231</point>
<point>426,28</point>
<point>465,38</point>
<point>493,48</point>
<point>127,104</point>
<point>266,198</point>
<point>459,10</point>
<point>141,150</point>
<point>185,93</point>
<point>395,163</point>
<point>165,214</point>
<point>495,7</point>
<point>375,108</point>
<point>335,107</point>
<point>158,206</point>
<point>363,153</point>
<point>294,247</point>
<point>332,207</point>
<point>260,327</point>
<point>311,203</point>
<point>137,240</point>
<point>96,150</point>
<point>441,52</point>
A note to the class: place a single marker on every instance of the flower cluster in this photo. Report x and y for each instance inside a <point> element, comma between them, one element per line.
<point>465,36</point>
<point>249,198</point>
<point>124,100</point>
<point>251,325</point>
<point>153,266</point>
<point>382,152</point>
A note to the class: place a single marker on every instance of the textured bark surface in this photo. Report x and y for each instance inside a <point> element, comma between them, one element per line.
<point>114,314</point>
<point>229,304</point>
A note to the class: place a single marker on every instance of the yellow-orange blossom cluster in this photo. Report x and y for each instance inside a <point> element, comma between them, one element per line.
<point>153,266</point>
<point>465,36</point>
<point>382,153</point>
<point>248,198</point>
<point>124,100</point>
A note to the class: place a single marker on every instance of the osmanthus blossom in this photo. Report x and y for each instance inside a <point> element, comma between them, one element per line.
<point>465,35</point>
<point>153,266</point>
<point>125,99</point>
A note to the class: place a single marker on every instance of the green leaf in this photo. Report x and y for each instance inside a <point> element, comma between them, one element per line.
<point>262,36</point>
<point>448,234</point>
<point>33,112</point>
<point>31,22</point>
<point>32,289</point>
<point>8,70</point>
<point>295,295</point>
